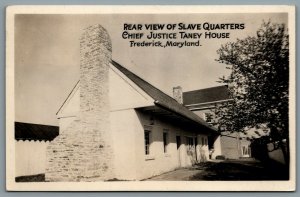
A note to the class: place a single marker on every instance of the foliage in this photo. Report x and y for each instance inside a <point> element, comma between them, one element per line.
<point>258,83</point>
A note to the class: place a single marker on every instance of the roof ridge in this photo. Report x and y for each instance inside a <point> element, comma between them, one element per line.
<point>205,88</point>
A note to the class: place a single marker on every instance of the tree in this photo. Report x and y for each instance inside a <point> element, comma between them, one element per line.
<point>258,83</point>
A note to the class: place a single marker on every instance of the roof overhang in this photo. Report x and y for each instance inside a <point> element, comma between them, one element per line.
<point>178,120</point>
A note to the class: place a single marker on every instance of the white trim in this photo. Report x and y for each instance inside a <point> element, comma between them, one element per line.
<point>69,115</point>
<point>220,101</point>
<point>68,98</point>
<point>199,108</point>
<point>149,157</point>
<point>148,128</point>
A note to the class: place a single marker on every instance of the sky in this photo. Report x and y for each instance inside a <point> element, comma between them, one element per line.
<point>47,57</point>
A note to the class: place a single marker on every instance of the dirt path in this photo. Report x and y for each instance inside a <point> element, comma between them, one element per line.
<point>230,170</point>
<point>182,174</point>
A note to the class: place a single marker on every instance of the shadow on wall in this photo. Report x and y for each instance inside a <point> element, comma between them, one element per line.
<point>203,157</point>
<point>192,156</point>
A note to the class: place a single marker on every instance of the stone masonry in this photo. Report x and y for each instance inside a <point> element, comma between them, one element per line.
<point>177,94</point>
<point>83,151</point>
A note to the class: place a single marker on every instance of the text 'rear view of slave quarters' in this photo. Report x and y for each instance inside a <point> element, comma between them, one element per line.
<point>173,97</point>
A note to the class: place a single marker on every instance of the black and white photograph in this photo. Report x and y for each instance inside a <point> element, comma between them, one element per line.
<point>150,98</point>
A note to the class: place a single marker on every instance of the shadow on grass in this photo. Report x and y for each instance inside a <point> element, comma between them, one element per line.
<point>232,170</point>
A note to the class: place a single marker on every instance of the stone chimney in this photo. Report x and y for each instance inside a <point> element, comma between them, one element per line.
<point>83,151</point>
<point>177,94</point>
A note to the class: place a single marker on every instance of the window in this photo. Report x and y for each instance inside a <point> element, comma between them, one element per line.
<point>245,150</point>
<point>165,140</point>
<point>147,142</point>
<point>208,117</point>
<point>196,144</point>
<point>190,143</point>
<point>178,142</point>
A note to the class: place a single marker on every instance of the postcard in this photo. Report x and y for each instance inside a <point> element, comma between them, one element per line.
<point>150,98</point>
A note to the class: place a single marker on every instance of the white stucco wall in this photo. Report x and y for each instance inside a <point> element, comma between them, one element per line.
<point>157,161</point>
<point>123,134</point>
<point>217,148</point>
<point>30,157</point>
<point>131,163</point>
<point>202,148</point>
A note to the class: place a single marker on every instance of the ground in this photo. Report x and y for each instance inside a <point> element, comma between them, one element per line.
<point>218,170</point>
<point>32,178</point>
<point>227,170</point>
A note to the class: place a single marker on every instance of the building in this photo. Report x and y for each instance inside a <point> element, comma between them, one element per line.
<point>202,102</point>
<point>151,132</point>
<point>115,125</point>
<point>31,141</point>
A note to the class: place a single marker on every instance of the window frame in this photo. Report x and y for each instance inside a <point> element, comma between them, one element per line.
<point>147,141</point>
<point>208,117</point>
<point>190,146</point>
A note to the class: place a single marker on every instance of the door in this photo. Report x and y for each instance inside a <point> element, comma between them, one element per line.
<point>196,146</point>
<point>178,143</point>
<point>245,151</point>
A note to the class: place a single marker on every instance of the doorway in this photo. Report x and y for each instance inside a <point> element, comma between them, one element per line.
<point>178,143</point>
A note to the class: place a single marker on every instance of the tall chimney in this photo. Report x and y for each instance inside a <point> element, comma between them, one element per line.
<point>83,151</point>
<point>177,94</point>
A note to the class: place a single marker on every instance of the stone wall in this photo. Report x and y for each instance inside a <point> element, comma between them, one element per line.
<point>83,151</point>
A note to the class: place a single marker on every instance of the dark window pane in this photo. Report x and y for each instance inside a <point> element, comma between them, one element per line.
<point>165,141</point>
<point>147,142</point>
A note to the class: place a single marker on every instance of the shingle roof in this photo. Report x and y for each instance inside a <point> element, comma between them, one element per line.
<point>29,131</point>
<point>217,93</point>
<point>162,99</point>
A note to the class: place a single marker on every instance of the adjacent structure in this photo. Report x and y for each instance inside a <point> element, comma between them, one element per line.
<point>31,141</point>
<point>202,102</point>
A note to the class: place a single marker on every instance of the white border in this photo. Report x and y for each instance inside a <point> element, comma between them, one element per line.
<point>144,185</point>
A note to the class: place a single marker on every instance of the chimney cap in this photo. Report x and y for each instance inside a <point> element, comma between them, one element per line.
<point>177,87</point>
